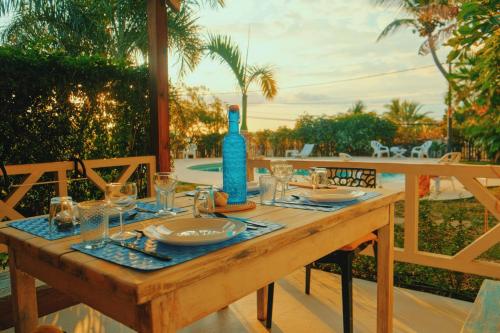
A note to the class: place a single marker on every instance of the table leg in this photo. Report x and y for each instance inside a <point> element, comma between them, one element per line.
<point>23,290</point>
<point>385,275</point>
<point>158,315</point>
<point>262,295</point>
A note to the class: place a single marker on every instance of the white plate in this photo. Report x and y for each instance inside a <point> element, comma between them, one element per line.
<point>195,231</point>
<point>336,195</point>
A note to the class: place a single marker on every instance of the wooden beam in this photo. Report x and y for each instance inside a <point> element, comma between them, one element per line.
<point>158,77</point>
<point>174,4</point>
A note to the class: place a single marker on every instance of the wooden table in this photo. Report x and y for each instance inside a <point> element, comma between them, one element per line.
<point>171,298</point>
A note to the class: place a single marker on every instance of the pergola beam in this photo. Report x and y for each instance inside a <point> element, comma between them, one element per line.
<point>174,4</point>
<point>158,77</point>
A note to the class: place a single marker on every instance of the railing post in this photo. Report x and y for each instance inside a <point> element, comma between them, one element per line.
<point>250,171</point>
<point>62,186</point>
<point>411,213</point>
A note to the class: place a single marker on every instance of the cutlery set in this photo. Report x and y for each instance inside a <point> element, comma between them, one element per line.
<point>151,249</point>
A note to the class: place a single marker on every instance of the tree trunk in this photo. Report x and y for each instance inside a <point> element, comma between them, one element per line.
<point>244,112</point>
<point>432,48</point>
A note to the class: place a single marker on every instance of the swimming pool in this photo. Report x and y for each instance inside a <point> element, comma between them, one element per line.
<point>217,167</point>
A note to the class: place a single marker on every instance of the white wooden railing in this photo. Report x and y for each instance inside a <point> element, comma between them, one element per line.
<point>466,260</point>
<point>33,172</point>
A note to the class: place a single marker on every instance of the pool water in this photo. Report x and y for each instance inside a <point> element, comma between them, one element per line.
<point>217,167</point>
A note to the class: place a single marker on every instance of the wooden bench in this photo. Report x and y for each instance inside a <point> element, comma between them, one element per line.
<point>484,316</point>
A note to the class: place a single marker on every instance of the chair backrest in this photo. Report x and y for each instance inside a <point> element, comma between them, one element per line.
<point>375,144</point>
<point>453,157</point>
<point>426,146</point>
<point>355,177</point>
<point>307,149</point>
<point>345,157</point>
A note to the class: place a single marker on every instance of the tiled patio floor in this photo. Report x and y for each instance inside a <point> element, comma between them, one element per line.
<point>296,312</point>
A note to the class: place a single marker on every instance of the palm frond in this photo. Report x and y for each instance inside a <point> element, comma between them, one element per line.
<point>184,38</point>
<point>222,48</point>
<point>265,77</point>
<point>211,3</point>
<point>395,26</point>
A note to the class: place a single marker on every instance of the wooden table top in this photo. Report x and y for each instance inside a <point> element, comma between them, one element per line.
<point>140,287</point>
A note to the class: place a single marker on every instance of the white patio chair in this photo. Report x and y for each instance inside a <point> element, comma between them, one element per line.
<point>449,158</point>
<point>305,152</point>
<point>345,157</point>
<point>422,151</point>
<point>190,150</point>
<point>379,149</point>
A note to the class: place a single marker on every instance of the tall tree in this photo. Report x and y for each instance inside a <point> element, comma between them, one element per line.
<point>405,113</point>
<point>223,48</point>
<point>111,28</point>
<point>357,108</point>
<point>476,79</point>
<point>409,118</point>
<point>432,19</point>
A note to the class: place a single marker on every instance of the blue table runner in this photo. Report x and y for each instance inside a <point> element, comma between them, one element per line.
<point>39,226</point>
<point>179,254</point>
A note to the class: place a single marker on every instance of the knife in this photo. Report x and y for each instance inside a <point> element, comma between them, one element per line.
<point>241,219</point>
<point>134,247</point>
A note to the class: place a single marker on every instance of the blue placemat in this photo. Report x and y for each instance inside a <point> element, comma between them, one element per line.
<point>39,226</point>
<point>325,206</point>
<point>179,254</point>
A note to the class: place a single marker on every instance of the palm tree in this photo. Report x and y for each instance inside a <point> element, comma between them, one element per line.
<point>432,19</point>
<point>223,48</point>
<point>405,113</point>
<point>114,29</point>
<point>357,108</point>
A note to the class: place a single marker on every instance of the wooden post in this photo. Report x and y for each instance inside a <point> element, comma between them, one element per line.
<point>158,87</point>
<point>385,275</point>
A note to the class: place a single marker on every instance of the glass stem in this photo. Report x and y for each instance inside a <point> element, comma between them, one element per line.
<point>283,191</point>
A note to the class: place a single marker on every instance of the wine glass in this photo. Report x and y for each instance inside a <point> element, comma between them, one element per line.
<point>283,172</point>
<point>122,197</point>
<point>165,183</point>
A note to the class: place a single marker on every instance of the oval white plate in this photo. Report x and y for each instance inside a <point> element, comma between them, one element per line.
<point>195,231</point>
<point>336,195</point>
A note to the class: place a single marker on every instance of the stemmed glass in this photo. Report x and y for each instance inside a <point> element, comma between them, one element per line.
<point>283,172</point>
<point>122,197</point>
<point>165,183</point>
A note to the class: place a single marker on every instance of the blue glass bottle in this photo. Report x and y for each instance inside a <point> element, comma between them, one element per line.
<point>234,160</point>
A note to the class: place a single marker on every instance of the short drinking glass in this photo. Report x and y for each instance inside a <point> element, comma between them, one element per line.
<point>61,214</point>
<point>318,177</point>
<point>267,188</point>
<point>93,223</point>
<point>121,197</point>
<point>204,203</point>
<point>165,183</point>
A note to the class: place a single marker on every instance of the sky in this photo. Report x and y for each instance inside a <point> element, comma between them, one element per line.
<point>312,45</point>
<point>322,52</point>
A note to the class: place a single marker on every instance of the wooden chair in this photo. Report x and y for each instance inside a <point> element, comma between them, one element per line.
<point>343,257</point>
